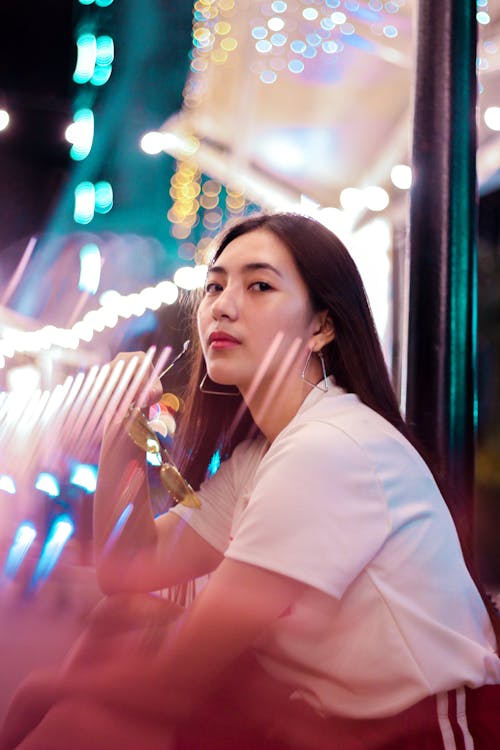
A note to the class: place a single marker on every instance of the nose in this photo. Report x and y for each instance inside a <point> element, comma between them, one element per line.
<point>226,304</point>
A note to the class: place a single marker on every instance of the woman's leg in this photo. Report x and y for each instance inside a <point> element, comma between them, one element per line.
<point>123,623</point>
<point>87,725</point>
<point>33,699</point>
<point>120,625</point>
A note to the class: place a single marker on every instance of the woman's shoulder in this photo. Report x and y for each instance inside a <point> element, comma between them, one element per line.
<point>249,448</point>
<point>350,417</point>
<point>345,431</point>
<point>336,416</point>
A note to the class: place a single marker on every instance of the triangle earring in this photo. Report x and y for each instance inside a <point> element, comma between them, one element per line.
<point>211,389</point>
<point>322,385</point>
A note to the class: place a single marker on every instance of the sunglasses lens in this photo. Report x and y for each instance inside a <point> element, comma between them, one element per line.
<point>177,486</point>
<point>142,435</point>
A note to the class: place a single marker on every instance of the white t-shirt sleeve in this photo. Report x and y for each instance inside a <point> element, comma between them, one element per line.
<point>213,520</point>
<point>317,512</point>
<point>219,495</point>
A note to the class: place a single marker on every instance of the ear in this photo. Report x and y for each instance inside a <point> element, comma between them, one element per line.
<point>324,331</point>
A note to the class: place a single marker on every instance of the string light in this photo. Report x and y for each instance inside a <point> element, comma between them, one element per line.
<point>7,484</point>
<point>152,142</point>
<point>81,134</point>
<point>90,268</point>
<point>48,483</point>
<point>94,66</point>
<point>84,476</point>
<point>492,118</point>
<point>59,534</point>
<point>86,46</point>
<point>4,119</point>
<point>113,307</point>
<point>401,176</point>
<point>375,198</point>
<point>23,539</point>
<point>321,32</point>
<point>84,202</point>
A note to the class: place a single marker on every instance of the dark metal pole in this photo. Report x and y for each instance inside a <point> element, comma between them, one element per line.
<point>441,390</point>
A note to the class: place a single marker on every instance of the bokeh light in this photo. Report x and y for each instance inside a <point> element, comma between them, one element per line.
<point>375,198</point>
<point>492,118</point>
<point>401,176</point>
<point>4,119</point>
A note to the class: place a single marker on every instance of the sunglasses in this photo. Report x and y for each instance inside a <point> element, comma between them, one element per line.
<point>137,428</point>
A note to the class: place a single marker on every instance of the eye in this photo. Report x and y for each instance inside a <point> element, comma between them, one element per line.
<point>261,286</point>
<point>212,287</point>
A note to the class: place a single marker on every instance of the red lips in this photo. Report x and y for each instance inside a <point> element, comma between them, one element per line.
<point>221,338</point>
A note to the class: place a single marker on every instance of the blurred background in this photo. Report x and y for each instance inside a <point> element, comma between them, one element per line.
<point>130,132</point>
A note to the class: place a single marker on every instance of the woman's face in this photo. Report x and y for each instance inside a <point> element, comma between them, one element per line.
<point>253,293</point>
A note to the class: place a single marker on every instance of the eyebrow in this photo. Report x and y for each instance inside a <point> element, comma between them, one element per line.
<point>247,267</point>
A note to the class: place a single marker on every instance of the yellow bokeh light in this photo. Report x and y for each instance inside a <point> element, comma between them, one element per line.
<point>199,64</point>
<point>229,44</point>
<point>180,231</point>
<point>192,207</point>
<point>188,192</point>
<point>235,204</point>
<point>201,34</point>
<point>213,217</point>
<point>173,216</point>
<point>209,201</point>
<point>222,28</point>
<point>219,56</point>
<point>211,187</point>
<point>188,168</point>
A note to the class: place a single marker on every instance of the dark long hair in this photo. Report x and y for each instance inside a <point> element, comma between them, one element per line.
<point>354,357</point>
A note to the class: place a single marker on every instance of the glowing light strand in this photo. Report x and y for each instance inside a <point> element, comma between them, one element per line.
<point>60,532</point>
<point>164,293</point>
<point>23,539</point>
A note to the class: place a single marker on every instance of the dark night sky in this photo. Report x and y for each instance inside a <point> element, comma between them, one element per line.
<point>37,59</point>
<point>36,63</point>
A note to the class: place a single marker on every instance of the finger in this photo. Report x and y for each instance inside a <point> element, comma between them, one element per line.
<point>155,393</point>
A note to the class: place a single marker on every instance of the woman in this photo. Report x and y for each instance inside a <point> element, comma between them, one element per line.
<point>339,611</point>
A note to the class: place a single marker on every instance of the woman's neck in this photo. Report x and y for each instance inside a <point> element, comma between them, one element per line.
<point>271,412</point>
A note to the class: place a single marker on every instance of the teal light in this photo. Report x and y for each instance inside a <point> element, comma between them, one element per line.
<point>103,3</point>
<point>84,476</point>
<point>7,484</point>
<point>86,45</point>
<point>81,134</point>
<point>84,203</point>
<point>61,530</point>
<point>105,50</point>
<point>214,464</point>
<point>48,483</point>
<point>90,268</point>
<point>24,538</point>
<point>85,2</point>
<point>101,75</point>
<point>103,197</point>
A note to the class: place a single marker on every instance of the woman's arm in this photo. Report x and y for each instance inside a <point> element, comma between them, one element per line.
<point>226,619</point>
<point>133,551</point>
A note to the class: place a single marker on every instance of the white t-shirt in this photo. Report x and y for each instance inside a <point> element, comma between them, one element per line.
<point>343,503</point>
